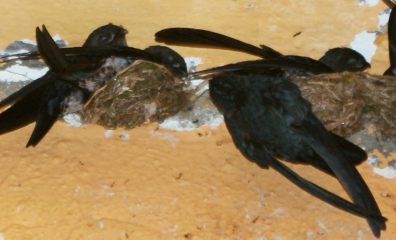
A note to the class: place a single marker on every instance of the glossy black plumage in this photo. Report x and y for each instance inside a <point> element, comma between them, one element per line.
<point>337,59</point>
<point>169,58</point>
<point>268,119</point>
<point>75,74</point>
<point>47,98</point>
<point>391,71</point>
<point>344,59</point>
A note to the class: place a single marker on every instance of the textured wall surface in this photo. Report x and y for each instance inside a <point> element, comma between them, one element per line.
<point>161,184</point>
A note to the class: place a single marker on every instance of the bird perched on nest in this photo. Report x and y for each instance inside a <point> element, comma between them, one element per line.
<point>43,100</point>
<point>347,103</point>
<point>268,118</point>
<point>75,74</point>
<point>334,60</point>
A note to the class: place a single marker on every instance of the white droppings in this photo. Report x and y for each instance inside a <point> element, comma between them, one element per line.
<point>101,224</point>
<point>364,44</point>
<point>370,3</point>
<point>27,41</point>
<point>12,52</point>
<point>19,208</point>
<point>383,19</point>
<point>124,136</point>
<point>279,212</point>
<point>150,109</point>
<point>180,123</point>
<point>386,172</point>
<point>310,235</point>
<point>108,133</point>
<point>73,120</point>
<point>173,228</point>
<point>167,136</point>
<point>360,234</point>
<point>372,160</point>
<point>192,63</point>
<point>194,83</point>
<point>17,73</point>
<point>323,227</point>
<point>203,88</point>
<point>58,38</point>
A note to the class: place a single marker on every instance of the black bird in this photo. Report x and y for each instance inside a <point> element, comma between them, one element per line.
<point>90,77</point>
<point>391,71</point>
<point>336,59</point>
<point>107,35</point>
<point>46,98</point>
<point>344,59</point>
<point>75,74</point>
<point>268,119</point>
<point>169,58</point>
<point>93,48</point>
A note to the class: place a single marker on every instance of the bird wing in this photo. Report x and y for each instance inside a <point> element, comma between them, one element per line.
<point>305,123</point>
<point>204,38</point>
<point>47,116</point>
<point>26,90</point>
<point>21,113</point>
<point>255,152</point>
<point>51,107</point>
<point>392,42</point>
<point>50,52</point>
<point>284,64</point>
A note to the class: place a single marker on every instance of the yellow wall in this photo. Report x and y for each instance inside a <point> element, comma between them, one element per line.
<point>324,24</point>
<point>79,185</point>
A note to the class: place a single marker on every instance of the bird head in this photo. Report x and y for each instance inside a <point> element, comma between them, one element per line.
<point>107,35</point>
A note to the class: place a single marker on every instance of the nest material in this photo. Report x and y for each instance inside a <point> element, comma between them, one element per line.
<point>350,102</point>
<point>359,106</point>
<point>144,92</point>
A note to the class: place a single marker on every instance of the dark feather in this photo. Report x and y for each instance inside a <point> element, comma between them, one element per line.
<point>268,118</point>
<point>204,38</point>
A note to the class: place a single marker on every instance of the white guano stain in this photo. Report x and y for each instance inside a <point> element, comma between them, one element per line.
<point>370,3</point>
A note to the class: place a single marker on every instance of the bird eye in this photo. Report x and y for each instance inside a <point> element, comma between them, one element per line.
<point>355,63</point>
<point>106,38</point>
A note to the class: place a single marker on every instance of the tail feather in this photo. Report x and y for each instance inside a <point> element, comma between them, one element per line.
<point>26,90</point>
<point>21,113</point>
<point>50,52</point>
<point>321,193</point>
<point>48,112</point>
<point>204,38</point>
<point>352,152</point>
<point>44,123</point>
<point>323,144</point>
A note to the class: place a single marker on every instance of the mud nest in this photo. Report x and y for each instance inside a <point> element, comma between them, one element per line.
<point>350,102</point>
<point>144,92</point>
<point>358,106</point>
